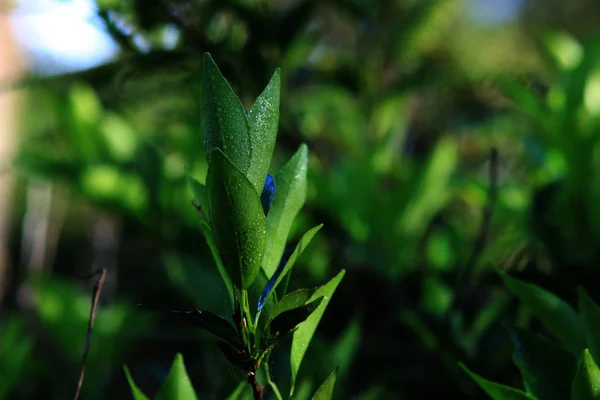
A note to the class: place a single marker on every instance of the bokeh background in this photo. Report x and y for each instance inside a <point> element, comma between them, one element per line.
<point>400,102</point>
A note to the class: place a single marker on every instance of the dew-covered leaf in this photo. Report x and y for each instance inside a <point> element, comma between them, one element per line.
<point>224,123</point>
<point>263,120</point>
<point>237,219</point>
<point>287,202</point>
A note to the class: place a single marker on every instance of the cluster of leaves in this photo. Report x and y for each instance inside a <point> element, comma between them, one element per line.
<point>246,216</point>
<point>550,369</point>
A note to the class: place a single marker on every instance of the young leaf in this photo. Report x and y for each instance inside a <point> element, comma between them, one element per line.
<point>325,391</point>
<point>287,202</point>
<point>286,265</point>
<point>557,316</point>
<point>224,123</point>
<point>177,386</point>
<point>547,369</point>
<point>495,390</point>
<point>586,385</point>
<point>135,390</point>
<point>285,322</point>
<point>303,335</point>
<point>266,197</point>
<point>237,218</point>
<point>589,313</point>
<point>263,119</point>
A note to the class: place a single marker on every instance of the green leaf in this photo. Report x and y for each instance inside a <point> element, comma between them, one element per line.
<point>325,391</point>
<point>200,196</point>
<point>238,358</point>
<point>303,335</point>
<point>287,202</point>
<point>557,316</point>
<point>589,313</point>
<point>287,320</point>
<point>547,369</point>
<point>289,264</point>
<point>224,123</point>
<point>264,120</point>
<point>495,390</point>
<point>586,385</point>
<point>216,325</point>
<point>177,386</point>
<point>293,300</point>
<point>241,392</point>
<point>237,218</point>
<point>135,390</point>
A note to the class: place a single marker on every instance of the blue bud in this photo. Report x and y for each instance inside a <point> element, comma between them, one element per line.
<point>262,299</point>
<point>267,194</point>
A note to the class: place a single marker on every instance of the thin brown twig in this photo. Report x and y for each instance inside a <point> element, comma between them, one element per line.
<point>96,294</point>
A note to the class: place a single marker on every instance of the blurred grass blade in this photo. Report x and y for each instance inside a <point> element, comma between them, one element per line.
<point>586,385</point>
<point>177,386</point>
<point>237,219</point>
<point>223,120</point>
<point>303,335</point>
<point>135,390</point>
<point>589,313</point>
<point>557,316</point>
<point>325,391</point>
<point>263,119</point>
<point>287,202</point>
<point>495,390</point>
<point>546,368</point>
<point>431,191</point>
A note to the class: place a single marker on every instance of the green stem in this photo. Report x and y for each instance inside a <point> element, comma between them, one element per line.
<point>245,304</point>
<point>270,380</point>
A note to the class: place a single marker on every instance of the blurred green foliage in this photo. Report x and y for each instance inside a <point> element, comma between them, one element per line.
<point>399,103</point>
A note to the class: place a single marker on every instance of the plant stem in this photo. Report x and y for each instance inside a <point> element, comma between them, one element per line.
<point>270,380</point>
<point>245,304</point>
<point>257,389</point>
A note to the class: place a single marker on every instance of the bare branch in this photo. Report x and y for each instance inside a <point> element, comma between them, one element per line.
<point>96,294</point>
